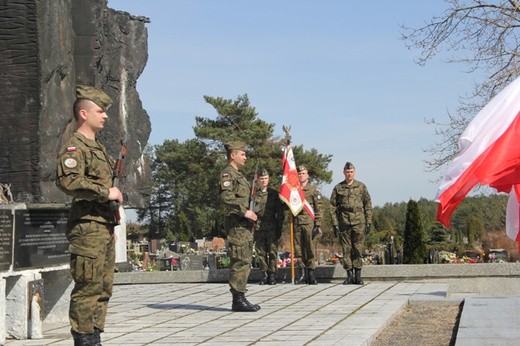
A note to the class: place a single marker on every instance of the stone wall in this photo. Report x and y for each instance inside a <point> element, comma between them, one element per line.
<point>46,48</point>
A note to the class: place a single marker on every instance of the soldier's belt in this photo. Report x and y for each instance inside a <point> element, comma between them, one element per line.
<point>237,220</point>
<point>353,210</point>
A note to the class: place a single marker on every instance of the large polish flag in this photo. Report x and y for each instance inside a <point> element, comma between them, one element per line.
<point>291,190</point>
<point>489,155</point>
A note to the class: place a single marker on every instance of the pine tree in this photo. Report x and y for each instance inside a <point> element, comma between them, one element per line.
<point>414,246</point>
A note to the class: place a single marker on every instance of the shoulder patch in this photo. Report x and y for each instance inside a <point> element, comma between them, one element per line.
<point>225,175</point>
<point>71,149</point>
<point>227,183</point>
<point>70,162</point>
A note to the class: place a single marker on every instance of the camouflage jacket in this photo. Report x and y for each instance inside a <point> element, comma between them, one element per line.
<point>270,210</point>
<point>84,171</point>
<point>351,204</point>
<point>235,192</point>
<point>313,196</point>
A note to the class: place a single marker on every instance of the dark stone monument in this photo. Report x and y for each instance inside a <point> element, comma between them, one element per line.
<point>212,261</point>
<point>6,239</point>
<point>40,238</point>
<point>191,262</point>
<point>46,48</point>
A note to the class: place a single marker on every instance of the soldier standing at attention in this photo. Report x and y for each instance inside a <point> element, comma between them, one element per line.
<point>305,228</point>
<point>270,222</point>
<point>84,171</point>
<point>235,192</point>
<point>351,219</point>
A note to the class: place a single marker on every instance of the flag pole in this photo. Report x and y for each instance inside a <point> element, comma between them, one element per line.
<point>291,223</point>
<point>287,130</point>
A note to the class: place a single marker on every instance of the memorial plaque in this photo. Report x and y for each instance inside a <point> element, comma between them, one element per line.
<point>6,239</point>
<point>40,238</point>
<point>192,262</point>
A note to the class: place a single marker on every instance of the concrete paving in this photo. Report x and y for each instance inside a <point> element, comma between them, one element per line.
<point>489,321</point>
<point>330,313</point>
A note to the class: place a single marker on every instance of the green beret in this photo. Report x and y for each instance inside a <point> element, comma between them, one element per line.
<point>263,172</point>
<point>97,96</point>
<point>301,168</point>
<point>235,145</point>
<point>349,165</point>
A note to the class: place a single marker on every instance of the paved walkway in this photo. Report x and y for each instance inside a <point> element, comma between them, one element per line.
<point>324,314</point>
<point>489,321</point>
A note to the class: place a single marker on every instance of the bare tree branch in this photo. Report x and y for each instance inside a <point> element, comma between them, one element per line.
<point>484,36</point>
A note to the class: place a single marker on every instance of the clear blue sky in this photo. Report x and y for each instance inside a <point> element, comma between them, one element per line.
<point>335,70</point>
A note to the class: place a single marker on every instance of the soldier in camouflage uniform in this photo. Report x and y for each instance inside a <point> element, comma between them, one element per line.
<point>235,193</point>
<point>270,221</point>
<point>306,229</point>
<point>351,219</point>
<point>84,171</point>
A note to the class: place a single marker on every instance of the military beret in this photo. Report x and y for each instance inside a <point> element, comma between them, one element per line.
<point>264,172</point>
<point>97,96</point>
<point>235,145</point>
<point>301,168</point>
<point>349,165</point>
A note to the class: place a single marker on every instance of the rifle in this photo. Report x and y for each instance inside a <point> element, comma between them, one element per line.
<point>117,176</point>
<point>252,202</point>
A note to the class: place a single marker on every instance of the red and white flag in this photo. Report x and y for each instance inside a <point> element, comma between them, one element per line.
<point>489,154</point>
<point>291,190</point>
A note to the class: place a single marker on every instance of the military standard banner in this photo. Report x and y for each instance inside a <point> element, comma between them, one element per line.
<point>291,192</point>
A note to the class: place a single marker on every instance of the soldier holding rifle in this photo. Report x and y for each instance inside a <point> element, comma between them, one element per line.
<point>85,172</point>
<point>270,222</point>
<point>235,194</point>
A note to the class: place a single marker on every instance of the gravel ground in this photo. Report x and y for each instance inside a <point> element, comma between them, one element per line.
<point>422,325</point>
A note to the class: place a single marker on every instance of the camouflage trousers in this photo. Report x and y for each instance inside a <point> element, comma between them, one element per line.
<point>240,252</point>
<point>92,264</point>
<point>304,249</point>
<point>266,245</point>
<point>352,240</point>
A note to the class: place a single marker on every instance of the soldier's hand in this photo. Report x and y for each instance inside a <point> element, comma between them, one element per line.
<point>251,215</point>
<point>114,194</point>
<point>316,232</point>
<point>367,229</point>
<point>336,231</point>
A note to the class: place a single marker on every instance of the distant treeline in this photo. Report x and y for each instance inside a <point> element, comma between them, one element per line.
<point>473,219</point>
<point>490,210</point>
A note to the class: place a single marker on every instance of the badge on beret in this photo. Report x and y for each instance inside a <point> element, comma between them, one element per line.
<point>226,183</point>
<point>70,163</point>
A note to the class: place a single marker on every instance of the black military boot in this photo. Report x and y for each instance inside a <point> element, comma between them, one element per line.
<point>97,337</point>
<point>240,303</point>
<point>303,277</point>
<point>350,278</point>
<point>271,279</point>
<point>311,280</point>
<point>265,279</point>
<point>255,307</point>
<point>357,276</point>
<point>84,339</point>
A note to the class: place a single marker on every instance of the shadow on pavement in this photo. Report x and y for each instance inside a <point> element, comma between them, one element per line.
<point>187,307</point>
